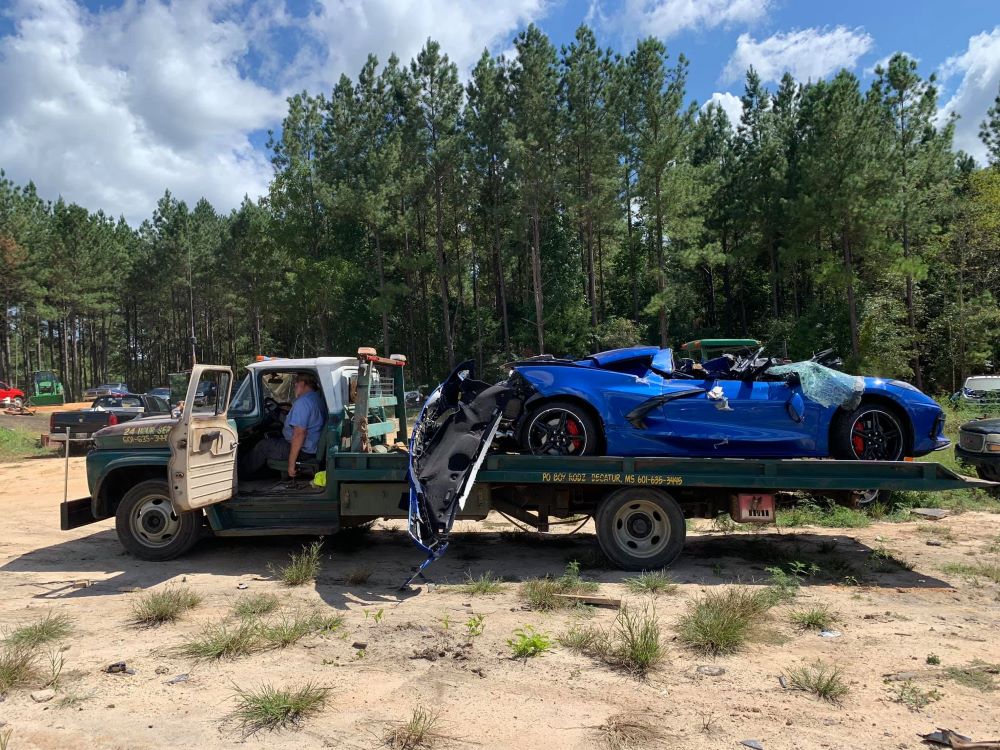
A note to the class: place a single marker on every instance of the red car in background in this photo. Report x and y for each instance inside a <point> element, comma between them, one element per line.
<point>11,396</point>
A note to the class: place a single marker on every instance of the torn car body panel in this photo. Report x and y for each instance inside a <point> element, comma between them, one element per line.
<point>450,439</point>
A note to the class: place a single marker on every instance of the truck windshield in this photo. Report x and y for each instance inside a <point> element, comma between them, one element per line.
<point>242,402</point>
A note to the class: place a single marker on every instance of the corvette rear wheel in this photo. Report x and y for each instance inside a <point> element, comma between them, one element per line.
<point>640,528</point>
<point>869,433</point>
<point>560,428</point>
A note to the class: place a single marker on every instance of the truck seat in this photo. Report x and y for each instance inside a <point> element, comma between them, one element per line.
<point>309,466</point>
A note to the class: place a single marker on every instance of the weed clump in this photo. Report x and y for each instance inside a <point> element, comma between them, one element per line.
<point>289,630</point>
<point>166,605</point>
<point>50,628</point>
<point>626,732</point>
<point>487,583</point>
<point>527,642</point>
<point>420,731</point>
<point>651,582</point>
<point>18,666</point>
<point>822,680</point>
<point>632,643</point>
<point>914,698</point>
<point>543,593</point>
<point>270,708</point>
<point>303,567</point>
<point>222,641</point>
<point>721,622</point>
<point>817,618</point>
<point>255,605</point>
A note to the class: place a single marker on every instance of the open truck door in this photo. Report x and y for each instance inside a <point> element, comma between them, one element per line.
<point>203,443</point>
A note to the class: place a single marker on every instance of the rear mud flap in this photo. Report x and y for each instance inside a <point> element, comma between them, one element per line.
<point>76,513</point>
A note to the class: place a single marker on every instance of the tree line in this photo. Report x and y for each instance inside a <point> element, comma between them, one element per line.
<point>560,201</point>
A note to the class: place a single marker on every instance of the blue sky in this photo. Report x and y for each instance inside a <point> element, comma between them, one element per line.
<point>110,102</point>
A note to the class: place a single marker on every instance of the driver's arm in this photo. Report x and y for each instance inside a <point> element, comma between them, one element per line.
<point>298,439</point>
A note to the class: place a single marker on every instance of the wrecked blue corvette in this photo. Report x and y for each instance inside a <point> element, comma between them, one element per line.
<point>640,402</point>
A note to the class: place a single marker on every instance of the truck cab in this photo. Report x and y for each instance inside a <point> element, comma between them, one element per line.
<point>165,478</point>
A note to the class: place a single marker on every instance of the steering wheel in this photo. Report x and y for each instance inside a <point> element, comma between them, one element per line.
<point>272,409</point>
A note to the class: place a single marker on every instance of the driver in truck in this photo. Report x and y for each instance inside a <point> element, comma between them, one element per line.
<point>300,435</point>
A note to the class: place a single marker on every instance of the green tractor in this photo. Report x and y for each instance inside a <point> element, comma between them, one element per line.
<point>46,389</point>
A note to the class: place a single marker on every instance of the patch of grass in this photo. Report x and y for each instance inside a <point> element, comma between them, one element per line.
<point>18,666</point>
<point>885,561</point>
<point>627,732</point>
<point>358,576</point>
<point>957,501</point>
<point>816,618</point>
<point>270,708</point>
<point>937,531</point>
<point>581,638</point>
<point>651,582</point>
<point>824,681</point>
<point>933,659</point>
<point>165,605</point>
<point>303,566</point>
<point>540,593</point>
<point>419,732</point>
<point>487,583</point>
<point>527,642</point>
<point>72,700</point>
<point>783,586</point>
<point>913,697</point>
<point>721,622</point>
<point>830,515</point>
<point>291,629</point>
<point>633,643</point>
<point>255,605</point>
<point>50,628</point>
<point>223,641</point>
<point>978,676</point>
<point>17,444</point>
<point>979,568</point>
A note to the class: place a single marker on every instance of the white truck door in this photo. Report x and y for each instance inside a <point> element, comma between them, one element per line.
<point>202,443</point>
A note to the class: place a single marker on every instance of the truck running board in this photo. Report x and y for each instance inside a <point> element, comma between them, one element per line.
<point>276,531</point>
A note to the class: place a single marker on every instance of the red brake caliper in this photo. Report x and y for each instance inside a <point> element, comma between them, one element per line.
<point>857,440</point>
<point>574,429</point>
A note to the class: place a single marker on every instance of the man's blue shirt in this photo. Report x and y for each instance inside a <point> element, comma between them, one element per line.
<point>307,411</point>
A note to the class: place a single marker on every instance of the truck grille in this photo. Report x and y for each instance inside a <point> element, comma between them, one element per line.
<point>971,441</point>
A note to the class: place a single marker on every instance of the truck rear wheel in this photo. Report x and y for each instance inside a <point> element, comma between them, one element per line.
<point>640,529</point>
<point>150,528</point>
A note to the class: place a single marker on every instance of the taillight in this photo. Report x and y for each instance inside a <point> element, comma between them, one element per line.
<point>112,419</point>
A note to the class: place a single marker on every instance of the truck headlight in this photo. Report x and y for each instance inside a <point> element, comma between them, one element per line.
<point>993,443</point>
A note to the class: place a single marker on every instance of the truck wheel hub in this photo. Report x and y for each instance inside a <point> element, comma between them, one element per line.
<point>641,528</point>
<point>154,522</point>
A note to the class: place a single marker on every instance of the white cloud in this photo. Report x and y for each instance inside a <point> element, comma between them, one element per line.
<point>347,30</point>
<point>731,104</point>
<point>667,18</point>
<point>979,67</point>
<point>111,107</point>
<point>808,54</point>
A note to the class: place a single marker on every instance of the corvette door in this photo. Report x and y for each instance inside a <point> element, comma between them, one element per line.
<point>736,419</point>
<point>203,443</point>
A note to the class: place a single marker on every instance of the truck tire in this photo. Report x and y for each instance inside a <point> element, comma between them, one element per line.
<point>640,529</point>
<point>148,526</point>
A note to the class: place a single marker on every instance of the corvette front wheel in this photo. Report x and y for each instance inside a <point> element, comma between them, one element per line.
<point>869,433</point>
<point>560,428</point>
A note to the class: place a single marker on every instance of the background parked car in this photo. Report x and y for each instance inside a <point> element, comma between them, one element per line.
<point>205,395</point>
<point>105,389</point>
<point>979,446</point>
<point>979,389</point>
<point>105,411</point>
<point>10,396</point>
<point>161,392</point>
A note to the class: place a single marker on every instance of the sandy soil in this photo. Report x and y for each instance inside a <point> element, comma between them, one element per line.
<point>486,699</point>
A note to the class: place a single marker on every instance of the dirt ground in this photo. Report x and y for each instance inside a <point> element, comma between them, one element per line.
<point>414,655</point>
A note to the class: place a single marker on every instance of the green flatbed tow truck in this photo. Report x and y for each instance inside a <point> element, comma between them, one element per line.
<point>167,481</point>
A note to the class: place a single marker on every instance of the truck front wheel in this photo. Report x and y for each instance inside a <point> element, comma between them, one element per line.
<point>150,528</point>
<point>640,529</point>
